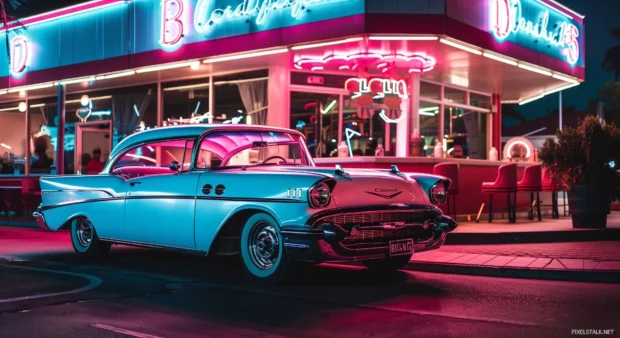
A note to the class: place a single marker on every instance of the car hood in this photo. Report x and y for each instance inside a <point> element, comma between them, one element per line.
<point>359,187</point>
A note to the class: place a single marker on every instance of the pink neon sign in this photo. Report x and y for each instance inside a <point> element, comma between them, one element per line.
<point>19,54</point>
<point>171,24</point>
<point>508,18</point>
<point>365,91</point>
<point>413,63</point>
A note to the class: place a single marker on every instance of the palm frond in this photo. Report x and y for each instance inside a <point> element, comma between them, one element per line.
<point>611,62</point>
<point>615,32</point>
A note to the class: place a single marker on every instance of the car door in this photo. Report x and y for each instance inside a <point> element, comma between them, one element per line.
<point>160,203</point>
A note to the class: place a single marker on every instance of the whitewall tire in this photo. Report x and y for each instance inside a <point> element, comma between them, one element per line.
<point>85,240</point>
<point>262,249</point>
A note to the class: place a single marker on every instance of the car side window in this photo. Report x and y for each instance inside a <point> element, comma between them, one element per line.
<point>154,158</point>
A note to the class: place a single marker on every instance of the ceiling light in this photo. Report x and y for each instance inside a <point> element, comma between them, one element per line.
<point>246,55</point>
<point>531,99</point>
<point>330,43</point>
<point>535,69</point>
<point>460,46</point>
<point>500,58</point>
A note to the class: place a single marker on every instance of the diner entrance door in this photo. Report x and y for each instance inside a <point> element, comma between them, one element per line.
<point>88,136</point>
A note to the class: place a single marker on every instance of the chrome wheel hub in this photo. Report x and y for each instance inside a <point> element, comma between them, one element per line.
<point>84,232</point>
<point>264,245</point>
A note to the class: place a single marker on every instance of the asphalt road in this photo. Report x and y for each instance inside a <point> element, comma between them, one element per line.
<point>46,291</point>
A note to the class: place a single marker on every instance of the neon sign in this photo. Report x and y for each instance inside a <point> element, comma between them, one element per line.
<point>261,9</point>
<point>19,54</point>
<point>365,91</point>
<point>171,25</point>
<point>508,18</point>
<point>377,86</point>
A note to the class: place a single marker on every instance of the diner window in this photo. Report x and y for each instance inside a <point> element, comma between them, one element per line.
<point>186,101</point>
<point>42,135</point>
<point>455,95</point>
<point>316,116</point>
<point>430,90</point>
<point>479,100</point>
<point>465,132</point>
<point>158,154</point>
<point>12,137</point>
<point>241,98</point>
<point>242,148</point>
<point>429,125</point>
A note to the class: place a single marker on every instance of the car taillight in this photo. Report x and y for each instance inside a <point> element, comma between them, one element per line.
<point>319,195</point>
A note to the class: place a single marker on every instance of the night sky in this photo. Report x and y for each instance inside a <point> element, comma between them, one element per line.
<point>601,15</point>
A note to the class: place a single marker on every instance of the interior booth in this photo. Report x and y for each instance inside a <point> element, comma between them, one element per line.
<point>370,84</point>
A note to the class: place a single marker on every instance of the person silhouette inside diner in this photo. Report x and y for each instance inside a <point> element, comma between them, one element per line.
<point>95,166</point>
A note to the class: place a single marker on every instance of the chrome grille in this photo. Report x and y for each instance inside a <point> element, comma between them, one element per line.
<point>383,234</point>
<point>376,217</point>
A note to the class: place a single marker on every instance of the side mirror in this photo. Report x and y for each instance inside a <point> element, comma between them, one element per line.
<point>175,166</point>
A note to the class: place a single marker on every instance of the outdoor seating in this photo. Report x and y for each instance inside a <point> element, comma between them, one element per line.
<point>532,182</point>
<point>505,183</point>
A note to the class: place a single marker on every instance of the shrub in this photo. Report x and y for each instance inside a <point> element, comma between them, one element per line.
<point>586,155</point>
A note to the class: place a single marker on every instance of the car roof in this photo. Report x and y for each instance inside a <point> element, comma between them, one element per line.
<point>188,131</point>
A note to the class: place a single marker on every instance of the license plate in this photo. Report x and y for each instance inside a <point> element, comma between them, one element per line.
<point>401,247</point>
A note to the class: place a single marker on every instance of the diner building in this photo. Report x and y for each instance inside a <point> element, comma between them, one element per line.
<point>370,83</point>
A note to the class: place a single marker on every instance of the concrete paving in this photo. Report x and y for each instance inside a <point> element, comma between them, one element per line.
<point>151,293</point>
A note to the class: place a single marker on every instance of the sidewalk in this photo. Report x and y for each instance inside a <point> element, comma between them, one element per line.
<point>578,261</point>
<point>526,231</point>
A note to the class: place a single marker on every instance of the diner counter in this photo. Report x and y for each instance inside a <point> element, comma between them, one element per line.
<point>472,173</point>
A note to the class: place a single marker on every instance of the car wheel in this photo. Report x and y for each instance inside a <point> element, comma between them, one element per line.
<point>387,264</point>
<point>262,249</point>
<point>85,240</point>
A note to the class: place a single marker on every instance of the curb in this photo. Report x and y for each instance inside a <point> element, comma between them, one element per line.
<point>19,224</point>
<point>588,235</point>
<point>523,273</point>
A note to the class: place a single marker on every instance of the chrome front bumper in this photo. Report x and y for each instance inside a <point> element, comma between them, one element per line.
<point>328,244</point>
<point>38,215</point>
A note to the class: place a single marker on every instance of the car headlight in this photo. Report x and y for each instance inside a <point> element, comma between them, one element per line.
<point>438,193</point>
<point>320,195</point>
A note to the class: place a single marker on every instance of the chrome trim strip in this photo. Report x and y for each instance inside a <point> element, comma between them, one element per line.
<point>235,199</point>
<point>150,245</point>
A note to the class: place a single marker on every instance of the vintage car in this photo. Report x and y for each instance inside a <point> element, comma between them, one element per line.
<point>248,190</point>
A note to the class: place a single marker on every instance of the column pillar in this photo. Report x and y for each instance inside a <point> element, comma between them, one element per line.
<point>414,108</point>
<point>160,104</point>
<point>28,140</point>
<point>497,123</point>
<point>60,138</point>
<point>211,100</point>
<point>279,97</point>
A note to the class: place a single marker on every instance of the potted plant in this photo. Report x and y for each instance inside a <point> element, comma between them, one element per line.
<point>584,162</point>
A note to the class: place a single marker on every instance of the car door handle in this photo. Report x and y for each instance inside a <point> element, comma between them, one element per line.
<point>133,184</point>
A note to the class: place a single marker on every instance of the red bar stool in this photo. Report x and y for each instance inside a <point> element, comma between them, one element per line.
<point>31,190</point>
<point>450,170</point>
<point>532,183</point>
<point>549,186</point>
<point>505,183</point>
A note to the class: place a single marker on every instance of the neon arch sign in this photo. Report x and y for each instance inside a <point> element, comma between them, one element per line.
<point>508,18</point>
<point>206,16</point>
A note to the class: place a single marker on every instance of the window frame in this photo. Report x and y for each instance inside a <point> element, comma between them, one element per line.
<point>113,162</point>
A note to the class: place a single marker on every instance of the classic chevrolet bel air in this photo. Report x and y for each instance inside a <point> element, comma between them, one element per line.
<point>247,190</point>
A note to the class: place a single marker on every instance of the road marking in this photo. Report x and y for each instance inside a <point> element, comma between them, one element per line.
<point>93,282</point>
<point>123,331</point>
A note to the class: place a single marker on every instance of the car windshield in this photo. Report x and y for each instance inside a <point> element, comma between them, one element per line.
<point>245,148</point>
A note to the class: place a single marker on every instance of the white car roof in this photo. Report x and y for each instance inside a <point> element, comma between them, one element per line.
<point>187,131</point>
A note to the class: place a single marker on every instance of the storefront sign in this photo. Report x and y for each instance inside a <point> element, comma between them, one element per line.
<point>206,15</point>
<point>543,27</point>
<point>377,86</point>
<point>19,54</point>
<point>172,26</point>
